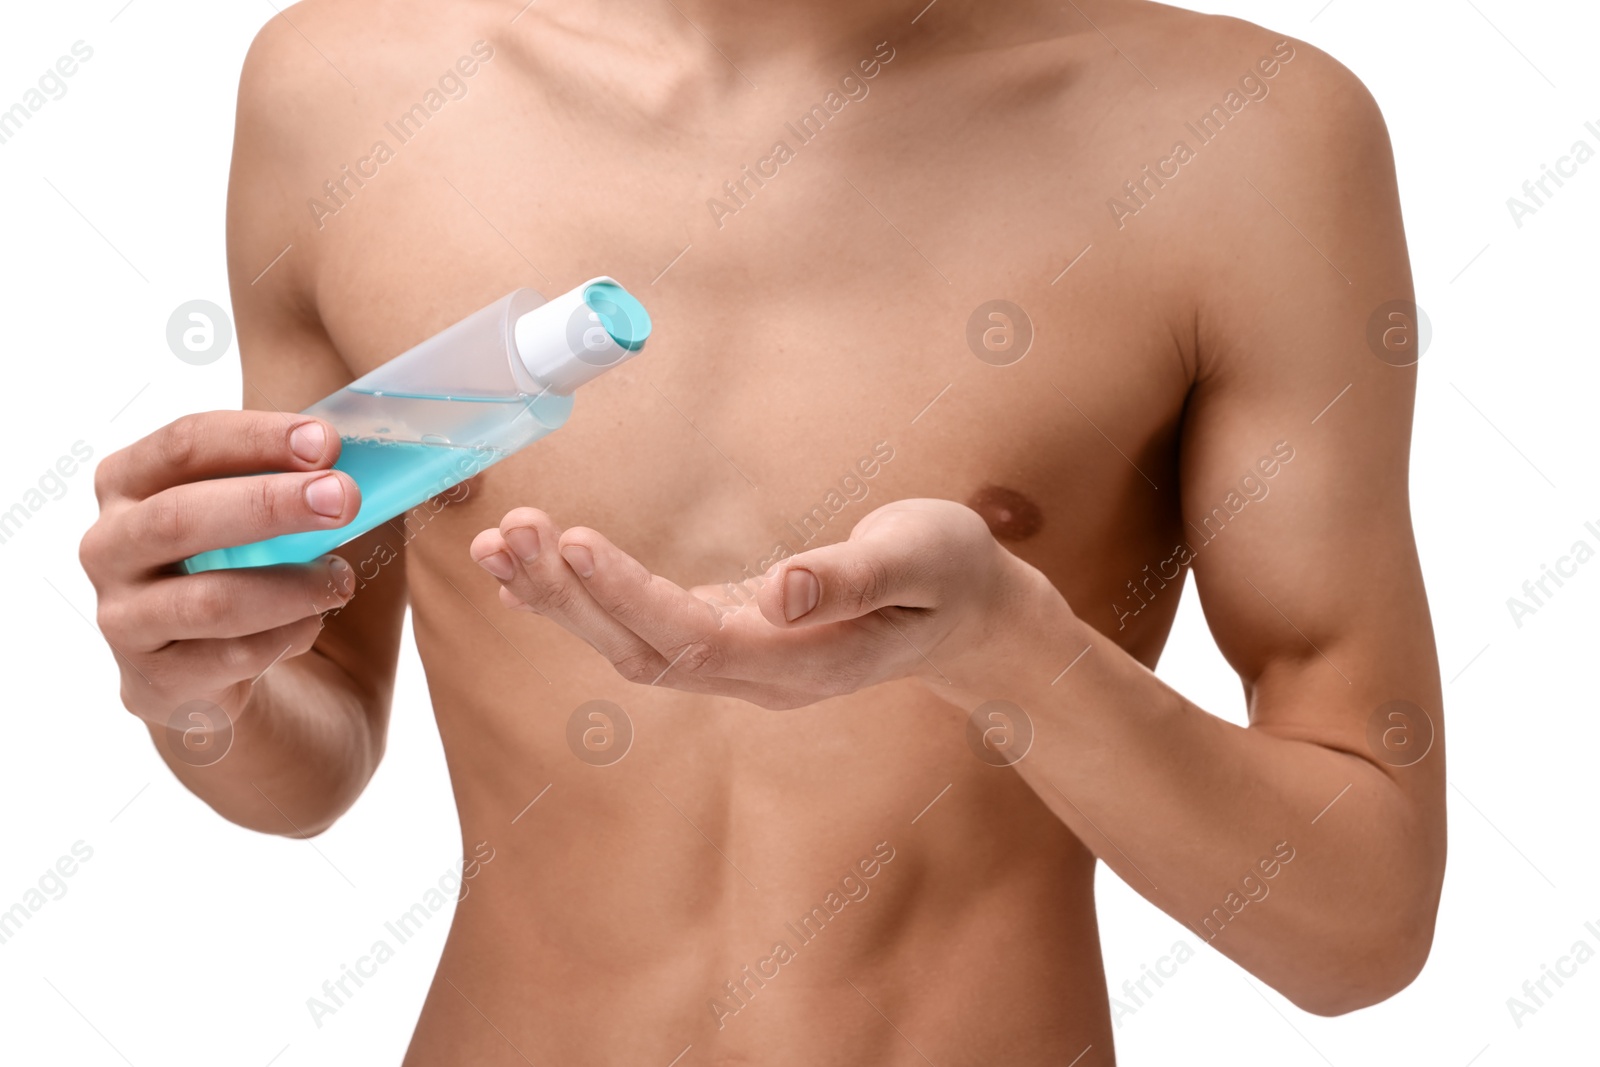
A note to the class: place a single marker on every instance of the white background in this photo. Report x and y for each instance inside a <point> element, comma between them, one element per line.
<point>187,940</point>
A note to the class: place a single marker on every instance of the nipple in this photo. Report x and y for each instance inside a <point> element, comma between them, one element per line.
<point>1010,515</point>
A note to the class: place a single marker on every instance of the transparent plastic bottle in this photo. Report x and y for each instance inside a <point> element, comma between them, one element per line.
<point>464,399</point>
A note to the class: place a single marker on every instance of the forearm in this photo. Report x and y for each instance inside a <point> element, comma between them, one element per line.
<point>1306,865</point>
<point>301,751</point>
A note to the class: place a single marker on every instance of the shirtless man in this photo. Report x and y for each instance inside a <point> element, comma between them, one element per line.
<point>1199,221</point>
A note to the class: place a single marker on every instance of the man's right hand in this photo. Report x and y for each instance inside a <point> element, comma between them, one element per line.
<point>195,485</point>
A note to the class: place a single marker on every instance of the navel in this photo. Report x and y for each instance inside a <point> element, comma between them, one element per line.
<point>1010,515</point>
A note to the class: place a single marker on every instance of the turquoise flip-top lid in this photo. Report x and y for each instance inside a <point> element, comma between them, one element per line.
<point>580,334</point>
<point>620,314</point>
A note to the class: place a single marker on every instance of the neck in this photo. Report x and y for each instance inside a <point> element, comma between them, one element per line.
<point>767,37</point>
<point>776,28</point>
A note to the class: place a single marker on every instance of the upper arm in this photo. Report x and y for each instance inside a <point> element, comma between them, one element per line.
<point>288,360</point>
<point>1306,564</point>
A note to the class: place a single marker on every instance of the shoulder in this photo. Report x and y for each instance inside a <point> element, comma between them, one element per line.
<point>294,95</point>
<point>1200,108</point>
<point>284,56</point>
<point>1265,171</point>
<point>1293,107</point>
<point>1244,112</point>
<point>296,110</point>
<point>316,83</point>
<point>322,76</point>
<point>301,72</point>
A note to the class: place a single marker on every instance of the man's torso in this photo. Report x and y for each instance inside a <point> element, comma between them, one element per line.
<point>819,349</point>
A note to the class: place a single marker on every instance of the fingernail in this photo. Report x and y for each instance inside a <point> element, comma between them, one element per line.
<point>325,495</point>
<point>499,565</point>
<point>800,593</point>
<point>579,559</point>
<point>344,579</point>
<point>524,541</point>
<point>309,441</point>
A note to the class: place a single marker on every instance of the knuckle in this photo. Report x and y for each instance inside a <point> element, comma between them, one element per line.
<point>178,442</point>
<point>236,658</point>
<point>156,684</point>
<point>164,520</point>
<point>89,549</point>
<point>203,606</point>
<point>867,583</point>
<point>169,519</point>
<point>700,658</point>
<point>626,602</point>
<point>108,476</point>
<point>111,617</point>
<point>268,436</point>
<point>639,665</point>
<point>552,597</point>
<point>264,506</point>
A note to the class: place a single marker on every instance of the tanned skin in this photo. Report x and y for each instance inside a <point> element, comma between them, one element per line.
<point>1197,341</point>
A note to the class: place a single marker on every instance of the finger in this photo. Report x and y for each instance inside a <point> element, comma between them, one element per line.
<point>724,598</point>
<point>214,443</point>
<point>216,664</point>
<point>225,603</point>
<point>679,625</point>
<point>843,581</point>
<point>179,522</point>
<point>521,554</point>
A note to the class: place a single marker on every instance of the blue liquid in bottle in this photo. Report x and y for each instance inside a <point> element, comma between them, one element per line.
<point>456,404</point>
<point>397,450</point>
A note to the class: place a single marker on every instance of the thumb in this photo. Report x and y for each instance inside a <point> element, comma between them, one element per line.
<point>840,582</point>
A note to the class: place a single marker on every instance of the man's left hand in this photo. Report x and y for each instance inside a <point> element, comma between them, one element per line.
<point>920,589</point>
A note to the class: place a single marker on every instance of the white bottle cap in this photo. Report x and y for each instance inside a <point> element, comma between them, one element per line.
<point>581,334</point>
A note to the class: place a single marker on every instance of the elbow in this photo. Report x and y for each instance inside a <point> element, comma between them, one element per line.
<point>1361,968</point>
<point>1352,992</point>
<point>301,822</point>
<point>306,831</point>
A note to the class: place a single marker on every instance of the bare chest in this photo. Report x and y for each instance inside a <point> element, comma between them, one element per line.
<point>859,325</point>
